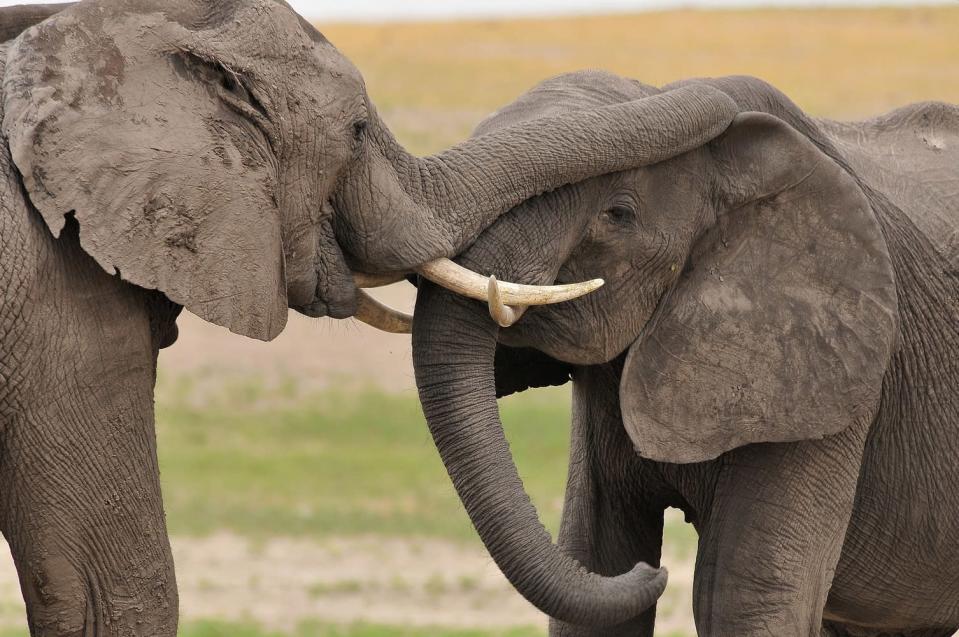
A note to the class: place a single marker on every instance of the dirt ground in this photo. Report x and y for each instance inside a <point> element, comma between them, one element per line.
<point>317,352</point>
<point>281,583</point>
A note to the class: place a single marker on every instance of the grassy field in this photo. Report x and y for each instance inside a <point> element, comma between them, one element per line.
<point>332,463</point>
<point>277,462</point>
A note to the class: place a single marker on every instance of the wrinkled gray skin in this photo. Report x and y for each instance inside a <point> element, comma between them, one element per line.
<point>774,353</point>
<point>223,157</point>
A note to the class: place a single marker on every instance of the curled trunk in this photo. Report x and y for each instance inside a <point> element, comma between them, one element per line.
<point>454,343</point>
<point>398,211</point>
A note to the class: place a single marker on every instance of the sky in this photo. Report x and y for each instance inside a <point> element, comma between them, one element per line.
<point>386,10</point>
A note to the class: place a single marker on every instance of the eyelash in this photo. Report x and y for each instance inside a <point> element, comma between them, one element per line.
<point>619,214</point>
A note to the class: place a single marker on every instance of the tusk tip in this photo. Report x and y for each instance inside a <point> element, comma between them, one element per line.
<point>503,314</point>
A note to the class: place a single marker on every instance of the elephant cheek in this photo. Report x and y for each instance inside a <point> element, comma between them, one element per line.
<point>301,247</point>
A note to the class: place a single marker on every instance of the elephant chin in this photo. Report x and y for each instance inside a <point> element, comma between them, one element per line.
<point>332,291</point>
<point>454,343</point>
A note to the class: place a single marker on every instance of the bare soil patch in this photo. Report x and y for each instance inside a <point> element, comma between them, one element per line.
<point>281,583</point>
<point>317,352</point>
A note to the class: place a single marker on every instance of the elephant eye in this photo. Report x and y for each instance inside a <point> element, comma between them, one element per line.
<point>619,214</point>
<point>359,129</point>
<point>233,84</point>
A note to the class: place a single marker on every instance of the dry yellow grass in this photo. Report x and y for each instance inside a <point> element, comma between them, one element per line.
<point>434,81</point>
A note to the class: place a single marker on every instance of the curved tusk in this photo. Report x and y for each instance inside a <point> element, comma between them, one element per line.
<point>374,313</point>
<point>364,280</point>
<point>503,314</point>
<point>468,283</point>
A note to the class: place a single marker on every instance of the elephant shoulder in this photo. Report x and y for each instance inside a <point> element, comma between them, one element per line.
<point>911,155</point>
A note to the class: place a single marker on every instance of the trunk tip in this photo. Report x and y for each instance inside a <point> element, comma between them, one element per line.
<point>650,575</point>
<point>650,580</point>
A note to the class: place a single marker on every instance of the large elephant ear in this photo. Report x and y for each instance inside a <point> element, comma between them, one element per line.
<point>783,323</point>
<point>130,121</point>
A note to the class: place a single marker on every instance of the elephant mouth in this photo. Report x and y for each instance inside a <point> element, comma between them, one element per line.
<point>332,292</point>
<point>340,291</point>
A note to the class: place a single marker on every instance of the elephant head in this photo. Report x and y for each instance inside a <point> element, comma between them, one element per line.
<point>748,288</point>
<point>228,155</point>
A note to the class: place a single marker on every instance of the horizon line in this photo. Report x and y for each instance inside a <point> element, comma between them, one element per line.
<point>477,10</point>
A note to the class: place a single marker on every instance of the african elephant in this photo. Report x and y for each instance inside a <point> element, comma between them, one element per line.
<point>774,353</point>
<point>223,157</point>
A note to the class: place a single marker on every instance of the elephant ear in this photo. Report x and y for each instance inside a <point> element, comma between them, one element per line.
<point>782,324</point>
<point>129,121</point>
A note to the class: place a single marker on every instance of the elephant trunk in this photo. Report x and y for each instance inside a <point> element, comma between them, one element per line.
<point>454,344</point>
<point>407,210</point>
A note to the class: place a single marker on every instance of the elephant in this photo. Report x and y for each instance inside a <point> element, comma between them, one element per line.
<point>225,158</point>
<point>773,353</point>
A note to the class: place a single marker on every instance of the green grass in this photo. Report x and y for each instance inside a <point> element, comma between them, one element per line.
<point>264,462</point>
<point>333,463</point>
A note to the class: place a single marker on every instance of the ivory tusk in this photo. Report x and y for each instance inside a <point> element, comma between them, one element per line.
<point>364,280</point>
<point>507,301</point>
<point>503,314</point>
<point>374,313</point>
<point>468,283</point>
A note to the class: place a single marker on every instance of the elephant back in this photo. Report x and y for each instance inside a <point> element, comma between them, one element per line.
<point>911,156</point>
<point>564,94</point>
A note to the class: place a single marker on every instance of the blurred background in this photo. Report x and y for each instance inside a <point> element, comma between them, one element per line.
<point>303,493</point>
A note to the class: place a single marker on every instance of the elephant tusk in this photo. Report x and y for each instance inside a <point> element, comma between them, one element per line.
<point>364,280</point>
<point>507,301</point>
<point>468,283</point>
<point>503,314</point>
<point>384,318</point>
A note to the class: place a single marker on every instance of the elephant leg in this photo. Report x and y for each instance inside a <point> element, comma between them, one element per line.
<point>609,523</point>
<point>80,497</point>
<point>773,535</point>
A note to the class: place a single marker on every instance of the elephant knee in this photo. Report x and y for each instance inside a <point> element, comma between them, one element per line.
<point>56,595</point>
<point>66,599</point>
